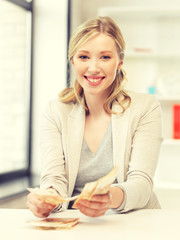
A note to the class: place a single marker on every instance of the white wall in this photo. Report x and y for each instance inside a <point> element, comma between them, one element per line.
<point>49,62</point>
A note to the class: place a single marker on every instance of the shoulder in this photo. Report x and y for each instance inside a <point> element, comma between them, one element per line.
<point>143,104</point>
<point>143,100</point>
<point>56,105</point>
<point>138,97</point>
<point>56,109</point>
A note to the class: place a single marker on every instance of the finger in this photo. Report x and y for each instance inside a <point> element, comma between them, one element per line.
<point>34,200</point>
<point>94,205</point>
<point>41,209</point>
<point>37,209</point>
<point>102,198</point>
<point>91,212</point>
<point>39,203</point>
<point>37,212</point>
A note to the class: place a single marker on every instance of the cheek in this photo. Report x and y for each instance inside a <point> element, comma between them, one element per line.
<point>79,69</point>
<point>111,70</point>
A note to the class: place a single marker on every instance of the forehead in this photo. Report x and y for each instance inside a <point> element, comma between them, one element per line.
<point>101,42</point>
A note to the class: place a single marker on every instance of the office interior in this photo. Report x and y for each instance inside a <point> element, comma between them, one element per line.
<point>34,69</point>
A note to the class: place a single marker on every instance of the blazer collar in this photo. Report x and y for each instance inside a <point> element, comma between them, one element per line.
<point>120,124</point>
<point>75,134</point>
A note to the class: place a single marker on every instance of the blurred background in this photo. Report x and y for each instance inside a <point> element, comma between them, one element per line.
<point>34,39</point>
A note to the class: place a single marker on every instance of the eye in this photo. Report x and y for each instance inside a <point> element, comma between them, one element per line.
<point>105,57</point>
<point>83,57</point>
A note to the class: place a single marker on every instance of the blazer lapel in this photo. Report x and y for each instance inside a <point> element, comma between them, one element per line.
<point>76,123</point>
<point>119,130</point>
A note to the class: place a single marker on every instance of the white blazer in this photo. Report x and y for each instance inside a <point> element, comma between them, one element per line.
<point>137,136</point>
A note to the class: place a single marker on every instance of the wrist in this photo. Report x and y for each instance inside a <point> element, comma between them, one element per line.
<point>117,197</point>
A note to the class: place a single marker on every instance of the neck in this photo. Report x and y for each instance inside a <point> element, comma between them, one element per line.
<point>95,105</point>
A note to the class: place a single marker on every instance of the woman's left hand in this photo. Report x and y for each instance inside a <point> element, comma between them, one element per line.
<point>97,206</point>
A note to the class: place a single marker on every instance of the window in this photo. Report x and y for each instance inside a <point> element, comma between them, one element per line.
<point>15,88</point>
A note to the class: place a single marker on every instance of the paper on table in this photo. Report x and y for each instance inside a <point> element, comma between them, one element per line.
<point>54,223</point>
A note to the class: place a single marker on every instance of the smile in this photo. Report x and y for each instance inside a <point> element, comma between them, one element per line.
<point>94,79</point>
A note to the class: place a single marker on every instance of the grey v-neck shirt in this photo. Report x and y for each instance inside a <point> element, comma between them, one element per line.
<point>95,165</point>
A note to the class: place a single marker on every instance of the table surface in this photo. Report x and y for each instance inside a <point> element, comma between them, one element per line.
<point>140,224</point>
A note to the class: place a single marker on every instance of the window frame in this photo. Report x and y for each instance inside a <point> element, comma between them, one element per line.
<point>26,172</point>
<point>68,81</point>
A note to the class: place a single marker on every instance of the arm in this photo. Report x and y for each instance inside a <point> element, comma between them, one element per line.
<point>53,172</point>
<point>144,155</point>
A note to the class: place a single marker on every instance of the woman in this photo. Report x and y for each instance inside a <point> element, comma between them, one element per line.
<point>96,125</point>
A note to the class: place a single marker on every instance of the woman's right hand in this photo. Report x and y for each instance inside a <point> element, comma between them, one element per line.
<point>37,207</point>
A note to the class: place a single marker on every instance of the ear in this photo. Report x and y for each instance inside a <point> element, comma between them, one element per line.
<point>72,61</point>
<point>120,64</point>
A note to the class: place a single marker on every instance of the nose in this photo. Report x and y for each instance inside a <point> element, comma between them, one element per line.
<point>93,67</point>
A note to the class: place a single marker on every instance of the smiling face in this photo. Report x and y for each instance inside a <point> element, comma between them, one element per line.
<point>96,63</point>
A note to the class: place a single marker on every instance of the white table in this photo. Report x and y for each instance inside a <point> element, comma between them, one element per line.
<point>141,224</point>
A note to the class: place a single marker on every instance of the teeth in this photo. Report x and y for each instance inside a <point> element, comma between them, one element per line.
<point>94,80</point>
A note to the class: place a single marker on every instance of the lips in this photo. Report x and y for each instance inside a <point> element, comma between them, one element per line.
<point>94,80</point>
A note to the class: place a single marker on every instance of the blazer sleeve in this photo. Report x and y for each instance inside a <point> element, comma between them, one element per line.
<point>145,148</point>
<point>53,173</point>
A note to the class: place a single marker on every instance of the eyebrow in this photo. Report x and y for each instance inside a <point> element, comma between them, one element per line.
<point>84,51</point>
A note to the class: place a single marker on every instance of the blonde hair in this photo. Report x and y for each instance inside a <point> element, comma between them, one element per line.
<point>82,34</point>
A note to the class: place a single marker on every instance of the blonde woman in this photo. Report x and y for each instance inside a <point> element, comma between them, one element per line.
<point>95,125</point>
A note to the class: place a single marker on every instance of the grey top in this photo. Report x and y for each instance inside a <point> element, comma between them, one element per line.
<point>95,165</point>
